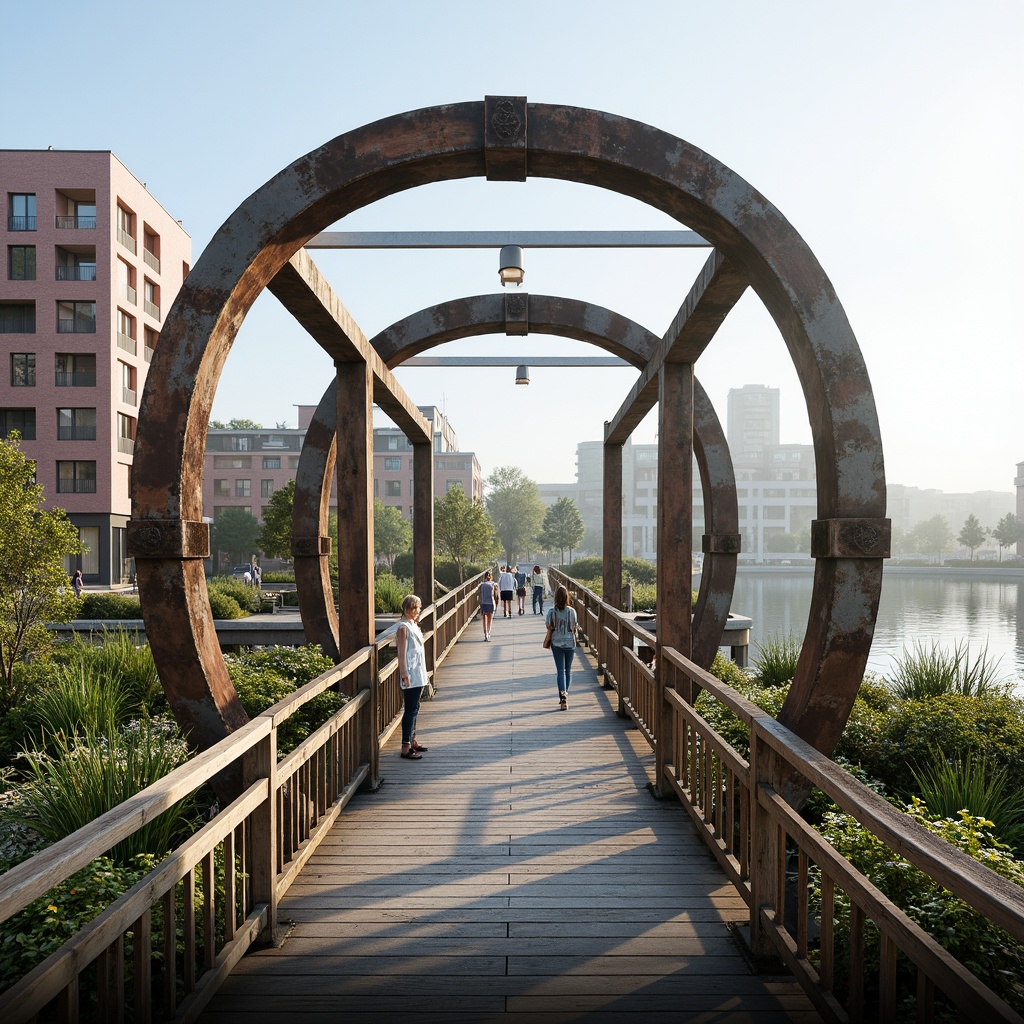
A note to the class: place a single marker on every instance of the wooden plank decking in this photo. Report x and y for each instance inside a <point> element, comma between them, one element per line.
<point>519,870</point>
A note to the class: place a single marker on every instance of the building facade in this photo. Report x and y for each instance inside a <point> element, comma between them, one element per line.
<point>92,262</point>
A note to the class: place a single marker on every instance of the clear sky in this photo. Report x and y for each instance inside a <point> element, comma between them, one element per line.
<point>889,133</point>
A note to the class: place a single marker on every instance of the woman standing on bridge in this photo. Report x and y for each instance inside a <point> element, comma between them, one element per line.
<point>412,670</point>
<point>561,622</point>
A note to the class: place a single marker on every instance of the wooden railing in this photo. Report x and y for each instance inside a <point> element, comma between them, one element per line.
<point>740,809</point>
<point>179,930</point>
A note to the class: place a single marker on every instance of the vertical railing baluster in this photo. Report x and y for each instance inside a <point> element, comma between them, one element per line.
<point>925,998</point>
<point>230,888</point>
<point>887,980</point>
<point>142,965</point>
<point>855,999</point>
<point>188,928</point>
<point>67,1002</point>
<point>802,908</point>
<point>209,914</point>
<point>170,939</point>
<point>827,941</point>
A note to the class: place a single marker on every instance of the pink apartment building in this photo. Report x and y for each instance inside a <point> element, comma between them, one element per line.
<point>244,468</point>
<point>92,263</point>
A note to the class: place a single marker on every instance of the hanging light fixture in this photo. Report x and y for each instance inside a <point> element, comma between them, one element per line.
<point>522,374</point>
<point>510,265</point>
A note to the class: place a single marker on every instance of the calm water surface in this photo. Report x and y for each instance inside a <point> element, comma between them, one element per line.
<point>944,609</point>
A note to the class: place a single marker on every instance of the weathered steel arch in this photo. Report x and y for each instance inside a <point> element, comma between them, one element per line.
<point>506,139</point>
<point>485,314</point>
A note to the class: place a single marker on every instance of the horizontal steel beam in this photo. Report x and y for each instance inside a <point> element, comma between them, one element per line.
<point>496,239</point>
<point>514,361</point>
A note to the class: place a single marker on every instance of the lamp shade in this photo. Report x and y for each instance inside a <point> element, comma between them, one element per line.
<point>522,374</point>
<point>510,265</point>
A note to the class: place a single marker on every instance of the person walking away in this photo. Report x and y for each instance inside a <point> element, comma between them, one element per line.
<point>507,589</point>
<point>257,576</point>
<point>412,669</point>
<point>521,590</point>
<point>77,583</point>
<point>537,581</point>
<point>488,597</point>
<point>562,622</point>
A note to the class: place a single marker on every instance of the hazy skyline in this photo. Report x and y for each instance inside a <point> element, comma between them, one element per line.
<point>887,134</point>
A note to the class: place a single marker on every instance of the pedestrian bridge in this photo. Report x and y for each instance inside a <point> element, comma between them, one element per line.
<point>524,866</point>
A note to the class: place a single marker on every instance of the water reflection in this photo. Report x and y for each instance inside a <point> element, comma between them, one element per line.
<point>912,609</point>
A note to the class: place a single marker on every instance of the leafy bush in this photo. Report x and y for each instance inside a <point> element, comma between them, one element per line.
<point>927,672</point>
<point>264,676</point>
<point>639,571</point>
<point>223,606</point>
<point>447,573</point>
<point>969,784</point>
<point>403,565</point>
<point>110,606</point>
<point>584,569</point>
<point>89,776</point>
<point>776,659</point>
<point>389,593</point>
<point>246,597</point>
<point>279,576</point>
<point>980,945</point>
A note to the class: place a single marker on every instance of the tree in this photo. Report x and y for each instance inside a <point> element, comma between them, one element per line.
<point>933,535</point>
<point>515,509</point>
<point>563,527</point>
<point>462,529</point>
<point>244,425</point>
<point>972,535</point>
<point>34,586</point>
<point>1008,532</point>
<point>275,536</point>
<point>234,532</point>
<point>392,535</point>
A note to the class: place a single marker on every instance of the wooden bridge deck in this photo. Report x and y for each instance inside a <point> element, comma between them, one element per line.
<point>519,870</point>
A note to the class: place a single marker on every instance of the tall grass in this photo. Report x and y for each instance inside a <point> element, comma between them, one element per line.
<point>971,784</point>
<point>776,659</point>
<point>931,671</point>
<point>389,592</point>
<point>81,701</point>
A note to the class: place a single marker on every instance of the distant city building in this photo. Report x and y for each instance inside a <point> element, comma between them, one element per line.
<point>244,468</point>
<point>752,426</point>
<point>93,262</point>
<point>1019,483</point>
<point>908,506</point>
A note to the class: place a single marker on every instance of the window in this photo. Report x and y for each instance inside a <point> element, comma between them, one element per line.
<point>150,338</point>
<point>293,461</point>
<point>775,512</point>
<point>392,465</point>
<point>151,298</point>
<point>21,262</point>
<point>75,266</point>
<point>126,228</point>
<point>22,212</point>
<point>240,444</point>
<point>17,318</point>
<point>76,424</point>
<point>128,389</point>
<point>221,489</point>
<point>453,485</point>
<point>151,248</point>
<point>226,462</point>
<point>392,444</point>
<point>126,283</point>
<point>266,488</point>
<point>392,488</point>
<point>76,478</point>
<point>23,369</point>
<point>74,370</point>
<point>125,434</point>
<point>243,488</point>
<point>21,420</point>
<point>90,538</point>
<point>271,461</point>
<point>76,317</point>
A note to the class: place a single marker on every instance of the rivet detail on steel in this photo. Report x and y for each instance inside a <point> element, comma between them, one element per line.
<point>505,121</point>
<point>851,538</point>
<point>168,538</point>
<point>721,543</point>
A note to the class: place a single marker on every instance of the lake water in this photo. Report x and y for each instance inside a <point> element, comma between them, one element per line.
<point>914,608</point>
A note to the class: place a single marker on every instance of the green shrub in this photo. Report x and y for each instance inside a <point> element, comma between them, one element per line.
<point>246,597</point>
<point>78,702</point>
<point>447,573</point>
<point>639,571</point>
<point>404,565</point>
<point>264,676</point>
<point>389,592</point>
<point>981,946</point>
<point>279,576</point>
<point>223,606</point>
<point>88,776</point>
<point>584,569</point>
<point>776,659</point>
<point>117,656</point>
<point>110,606</point>
<point>927,672</point>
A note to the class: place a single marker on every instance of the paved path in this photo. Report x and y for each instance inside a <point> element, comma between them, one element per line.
<point>519,871</point>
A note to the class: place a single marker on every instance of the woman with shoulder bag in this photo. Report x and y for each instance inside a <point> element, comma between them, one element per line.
<point>561,639</point>
<point>412,673</point>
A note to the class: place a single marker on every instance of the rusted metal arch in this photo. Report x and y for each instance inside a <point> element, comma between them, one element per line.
<point>503,138</point>
<point>485,314</point>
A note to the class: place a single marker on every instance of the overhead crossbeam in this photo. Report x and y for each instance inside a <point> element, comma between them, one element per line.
<point>306,294</point>
<point>716,290</point>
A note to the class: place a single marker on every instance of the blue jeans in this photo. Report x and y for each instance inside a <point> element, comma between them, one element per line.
<point>563,666</point>
<point>538,599</point>
<point>412,709</point>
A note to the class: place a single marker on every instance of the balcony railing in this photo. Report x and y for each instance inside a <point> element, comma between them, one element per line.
<point>21,223</point>
<point>77,222</point>
<point>126,240</point>
<point>75,379</point>
<point>151,308</point>
<point>83,433</point>
<point>147,354</point>
<point>78,325</point>
<point>126,445</point>
<point>65,486</point>
<point>128,344</point>
<point>129,294</point>
<point>17,324</point>
<point>128,396</point>
<point>151,259</point>
<point>83,273</point>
